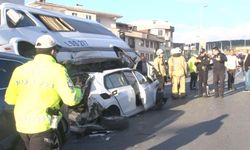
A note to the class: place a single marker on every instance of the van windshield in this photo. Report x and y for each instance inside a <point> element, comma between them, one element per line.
<point>87,27</point>
<point>54,23</point>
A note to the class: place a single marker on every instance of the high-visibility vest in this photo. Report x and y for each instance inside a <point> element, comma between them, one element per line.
<point>36,86</point>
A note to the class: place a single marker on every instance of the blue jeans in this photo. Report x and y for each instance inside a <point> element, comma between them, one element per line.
<point>247,80</point>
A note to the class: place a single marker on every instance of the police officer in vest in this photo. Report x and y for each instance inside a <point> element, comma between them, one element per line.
<point>36,87</point>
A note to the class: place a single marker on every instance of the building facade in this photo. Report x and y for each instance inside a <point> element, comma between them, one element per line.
<point>143,43</point>
<point>159,28</point>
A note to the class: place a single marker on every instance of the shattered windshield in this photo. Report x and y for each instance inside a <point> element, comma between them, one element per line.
<point>87,27</point>
<point>54,23</point>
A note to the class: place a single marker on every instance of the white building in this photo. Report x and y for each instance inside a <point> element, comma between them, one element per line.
<point>143,43</point>
<point>107,19</point>
<point>159,28</point>
<point>21,2</point>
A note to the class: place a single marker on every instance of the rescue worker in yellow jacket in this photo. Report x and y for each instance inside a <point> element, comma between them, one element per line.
<point>37,87</point>
<point>160,68</point>
<point>177,72</point>
<point>193,71</point>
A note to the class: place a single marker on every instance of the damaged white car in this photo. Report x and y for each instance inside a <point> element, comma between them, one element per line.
<point>112,91</point>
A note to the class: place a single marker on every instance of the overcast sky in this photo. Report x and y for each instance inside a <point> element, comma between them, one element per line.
<point>221,19</point>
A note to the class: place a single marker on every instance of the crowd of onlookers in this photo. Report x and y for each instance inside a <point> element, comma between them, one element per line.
<point>176,70</point>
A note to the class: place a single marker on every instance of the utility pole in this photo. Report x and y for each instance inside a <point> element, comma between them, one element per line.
<point>202,6</point>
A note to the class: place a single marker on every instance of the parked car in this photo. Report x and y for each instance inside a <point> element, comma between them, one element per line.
<point>9,138</point>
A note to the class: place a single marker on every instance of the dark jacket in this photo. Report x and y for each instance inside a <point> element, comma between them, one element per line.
<point>247,62</point>
<point>204,64</point>
<point>142,67</point>
<point>219,65</point>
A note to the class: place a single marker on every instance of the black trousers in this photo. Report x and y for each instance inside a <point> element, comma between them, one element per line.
<point>230,81</point>
<point>193,80</point>
<point>219,77</point>
<point>203,77</point>
<point>39,141</point>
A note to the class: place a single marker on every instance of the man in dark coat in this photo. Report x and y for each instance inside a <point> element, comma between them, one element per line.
<point>142,66</point>
<point>202,63</point>
<point>219,69</point>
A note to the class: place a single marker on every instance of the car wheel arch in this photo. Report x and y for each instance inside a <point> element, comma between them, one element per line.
<point>26,49</point>
<point>112,110</point>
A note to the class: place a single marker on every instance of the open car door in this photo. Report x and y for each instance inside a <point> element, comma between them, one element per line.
<point>148,90</point>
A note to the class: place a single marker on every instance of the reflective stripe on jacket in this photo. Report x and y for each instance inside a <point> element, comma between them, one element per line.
<point>36,86</point>
<point>177,66</point>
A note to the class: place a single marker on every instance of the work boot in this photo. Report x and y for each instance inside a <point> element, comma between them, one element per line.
<point>175,96</point>
<point>182,95</point>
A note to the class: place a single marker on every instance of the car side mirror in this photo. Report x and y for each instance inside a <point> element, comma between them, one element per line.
<point>15,16</point>
<point>108,96</point>
<point>105,96</point>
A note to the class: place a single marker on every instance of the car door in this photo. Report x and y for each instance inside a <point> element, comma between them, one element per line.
<point>117,84</point>
<point>7,123</point>
<point>147,90</point>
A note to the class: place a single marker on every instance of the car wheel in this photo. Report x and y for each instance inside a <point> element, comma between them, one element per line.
<point>20,145</point>
<point>114,122</point>
<point>63,129</point>
<point>57,141</point>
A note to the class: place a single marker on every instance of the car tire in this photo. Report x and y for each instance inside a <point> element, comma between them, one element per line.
<point>63,129</point>
<point>57,141</point>
<point>114,122</point>
<point>20,145</point>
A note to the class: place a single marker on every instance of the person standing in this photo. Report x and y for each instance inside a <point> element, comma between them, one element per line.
<point>219,69</point>
<point>160,68</point>
<point>203,62</point>
<point>246,65</point>
<point>193,71</point>
<point>231,65</point>
<point>36,88</point>
<point>177,73</point>
<point>142,66</point>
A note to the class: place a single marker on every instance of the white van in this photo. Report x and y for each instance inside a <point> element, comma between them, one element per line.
<point>20,26</point>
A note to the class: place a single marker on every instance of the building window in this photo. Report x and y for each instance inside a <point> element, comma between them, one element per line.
<point>156,46</point>
<point>88,17</point>
<point>151,44</point>
<point>131,42</point>
<point>147,43</point>
<point>74,14</point>
<point>151,57</point>
<point>147,56</point>
<point>160,32</point>
<point>141,43</point>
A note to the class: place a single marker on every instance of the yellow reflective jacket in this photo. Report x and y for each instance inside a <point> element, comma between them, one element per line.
<point>36,86</point>
<point>160,66</point>
<point>177,66</point>
<point>191,65</point>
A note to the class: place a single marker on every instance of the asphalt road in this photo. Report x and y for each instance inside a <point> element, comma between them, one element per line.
<point>187,124</point>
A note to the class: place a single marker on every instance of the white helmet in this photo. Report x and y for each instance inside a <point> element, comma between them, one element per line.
<point>45,41</point>
<point>176,50</point>
<point>159,51</point>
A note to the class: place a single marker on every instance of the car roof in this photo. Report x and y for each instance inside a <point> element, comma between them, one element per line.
<point>13,57</point>
<point>43,11</point>
<point>116,70</point>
